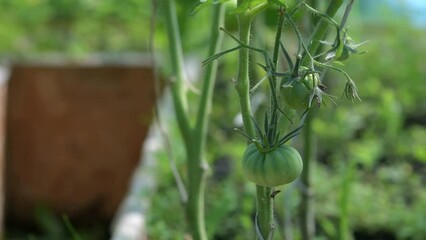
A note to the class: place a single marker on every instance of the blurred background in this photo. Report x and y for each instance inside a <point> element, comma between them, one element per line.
<point>77,93</point>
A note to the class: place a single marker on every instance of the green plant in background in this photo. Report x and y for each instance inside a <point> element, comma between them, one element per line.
<point>376,131</point>
<point>73,28</point>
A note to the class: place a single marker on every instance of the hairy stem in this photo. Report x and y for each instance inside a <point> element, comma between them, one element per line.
<point>278,36</point>
<point>265,210</point>
<point>242,84</point>
<point>264,201</point>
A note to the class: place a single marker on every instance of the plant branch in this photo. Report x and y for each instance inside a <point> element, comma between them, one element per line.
<point>307,218</point>
<point>321,29</point>
<point>197,165</point>
<point>264,217</point>
<point>178,77</point>
<point>204,108</point>
<point>265,211</point>
<point>242,84</point>
<point>157,116</point>
<point>278,36</point>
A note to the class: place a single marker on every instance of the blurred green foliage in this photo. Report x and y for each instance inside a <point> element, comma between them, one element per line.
<point>73,27</point>
<point>383,137</point>
<point>49,226</point>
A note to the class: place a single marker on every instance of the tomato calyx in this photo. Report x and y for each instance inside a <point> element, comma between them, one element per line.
<point>275,168</point>
<point>269,139</point>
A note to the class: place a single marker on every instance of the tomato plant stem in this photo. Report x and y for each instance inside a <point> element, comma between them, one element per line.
<point>278,37</point>
<point>321,29</point>
<point>204,107</point>
<point>194,137</point>
<point>197,164</point>
<point>265,210</point>
<point>242,84</point>
<point>307,214</point>
<point>264,201</point>
<point>178,77</point>
<point>306,208</point>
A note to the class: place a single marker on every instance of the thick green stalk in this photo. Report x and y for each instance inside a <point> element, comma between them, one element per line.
<point>194,138</point>
<point>307,214</point>
<point>197,164</point>
<point>264,204</point>
<point>265,210</point>
<point>242,84</point>
<point>196,187</point>
<point>204,108</point>
<point>178,76</point>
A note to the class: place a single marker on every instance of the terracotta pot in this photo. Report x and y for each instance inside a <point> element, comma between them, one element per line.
<point>74,136</point>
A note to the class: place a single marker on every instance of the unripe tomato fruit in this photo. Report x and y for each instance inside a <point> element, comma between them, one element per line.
<point>298,94</point>
<point>348,49</point>
<point>346,53</point>
<point>277,167</point>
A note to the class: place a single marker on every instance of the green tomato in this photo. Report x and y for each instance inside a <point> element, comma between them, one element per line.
<point>298,94</point>
<point>346,53</point>
<point>347,50</point>
<point>340,49</point>
<point>277,167</point>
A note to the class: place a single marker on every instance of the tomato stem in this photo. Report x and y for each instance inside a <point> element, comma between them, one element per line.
<point>307,215</point>
<point>264,203</point>
<point>177,81</point>
<point>321,28</point>
<point>194,137</point>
